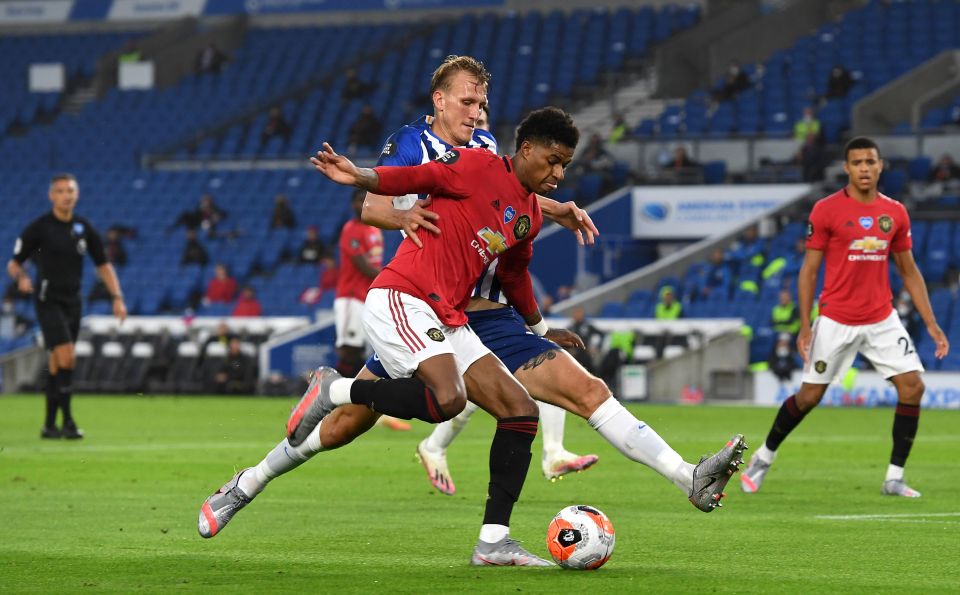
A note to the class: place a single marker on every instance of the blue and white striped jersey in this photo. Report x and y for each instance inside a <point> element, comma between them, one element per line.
<point>415,144</point>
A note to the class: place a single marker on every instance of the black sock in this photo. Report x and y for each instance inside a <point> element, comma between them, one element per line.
<point>905,423</point>
<point>65,385</point>
<point>787,419</point>
<point>406,398</point>
<point>53,401</point>
<point>509,462</point>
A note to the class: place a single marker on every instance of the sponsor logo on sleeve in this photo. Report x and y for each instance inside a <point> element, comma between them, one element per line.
<point>809,229</point>
<point>886,223</point>
<point>522,227</point>
<point>389,149</point>
<point>450,157</point>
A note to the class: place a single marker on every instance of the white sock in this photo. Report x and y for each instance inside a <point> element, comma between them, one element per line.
<point>639,442</point>
<point>280,460</point>
<point>894,472</point>
<point>443,434</point>
<point>551,426</point>
<point>493,533</point>
<point>340,391</point>
<point>765,454</point>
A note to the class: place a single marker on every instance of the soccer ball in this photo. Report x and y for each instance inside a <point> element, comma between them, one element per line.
<point>580,538</point>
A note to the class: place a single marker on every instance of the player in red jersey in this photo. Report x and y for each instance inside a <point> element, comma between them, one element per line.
<point>855,231</point>
<point>414,316</point>
<point>361,256</point>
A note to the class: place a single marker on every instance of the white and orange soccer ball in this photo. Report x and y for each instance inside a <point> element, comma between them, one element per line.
<point>580,538</point>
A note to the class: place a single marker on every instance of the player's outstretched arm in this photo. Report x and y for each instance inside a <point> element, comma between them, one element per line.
<point>570,216</point>
<point>342,171</point>
<point>917,288</point>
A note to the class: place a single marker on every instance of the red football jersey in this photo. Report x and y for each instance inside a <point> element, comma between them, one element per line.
<point>484,213</point>
<point>857,239</point>
<point>357,238</point>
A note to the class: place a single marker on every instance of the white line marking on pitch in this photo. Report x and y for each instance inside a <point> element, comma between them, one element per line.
<point>886,517</point>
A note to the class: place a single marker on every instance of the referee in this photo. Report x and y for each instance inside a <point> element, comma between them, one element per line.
<point>58,242</point>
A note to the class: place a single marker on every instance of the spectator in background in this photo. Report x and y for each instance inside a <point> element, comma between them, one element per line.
<point>595,158</point>
<point>620,130</point>
<point>354,88</point>
<point>129,53</point>
<point>276,125</point>
<point>945,170</point>
<point>282,217</point>
<point>783,359</point>
<point>206,216</point>
<point>222,288</point>
<point>12,324</point>
<point>807,132</point>
<point>366,131</point>
<point>680,168</point>
<point>236,376</point>
<point>222,337</point>
<point>193,250</point>
<point>312,250</point>
<point>903,304</point>
<point>718,275</point>
<point>247,304</point>
<point>117,256</point>
<point>593,338</point>
<point>113,248</point>
<point>164,354</point>
<point>807,128</point>
<point>668,308</point>
<point>735,81</point>
<point>784,316</point>
<point>210,60</point>
<point>839,82</point>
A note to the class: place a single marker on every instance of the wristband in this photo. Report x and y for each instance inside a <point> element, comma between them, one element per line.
<point>540,328</point>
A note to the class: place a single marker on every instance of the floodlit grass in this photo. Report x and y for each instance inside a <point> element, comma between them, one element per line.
<point>118,510</point>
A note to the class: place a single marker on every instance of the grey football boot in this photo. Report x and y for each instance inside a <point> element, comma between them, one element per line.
<point>898,487</point>
<point>752,477</point>
<point>313,407</point>
<point>711,475</point>
<point>506,552</point>
<point>219,508</point>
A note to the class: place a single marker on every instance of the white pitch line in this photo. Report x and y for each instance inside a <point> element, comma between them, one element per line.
<point>884,517</point>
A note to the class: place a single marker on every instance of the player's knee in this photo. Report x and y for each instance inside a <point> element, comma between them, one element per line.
<point>809,396</point>
<point>912,390</point>
<point>522,405</point>
<point>451,400</point>
<point>595,393</point>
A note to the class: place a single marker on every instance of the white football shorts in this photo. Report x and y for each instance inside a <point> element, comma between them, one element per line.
<point>348,317</point>
<point>405,331</point>
<point>834,346</point>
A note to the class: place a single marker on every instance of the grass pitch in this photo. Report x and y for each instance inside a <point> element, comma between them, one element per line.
<point>118,511</point>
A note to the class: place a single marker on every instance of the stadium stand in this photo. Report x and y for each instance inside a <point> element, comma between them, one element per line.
<point>536,58</point>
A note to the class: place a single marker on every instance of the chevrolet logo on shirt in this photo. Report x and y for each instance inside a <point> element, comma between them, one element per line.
<point>869,244</point>
<point>496,243</point>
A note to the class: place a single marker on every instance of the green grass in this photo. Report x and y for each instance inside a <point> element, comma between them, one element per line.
<point>117,511</point>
